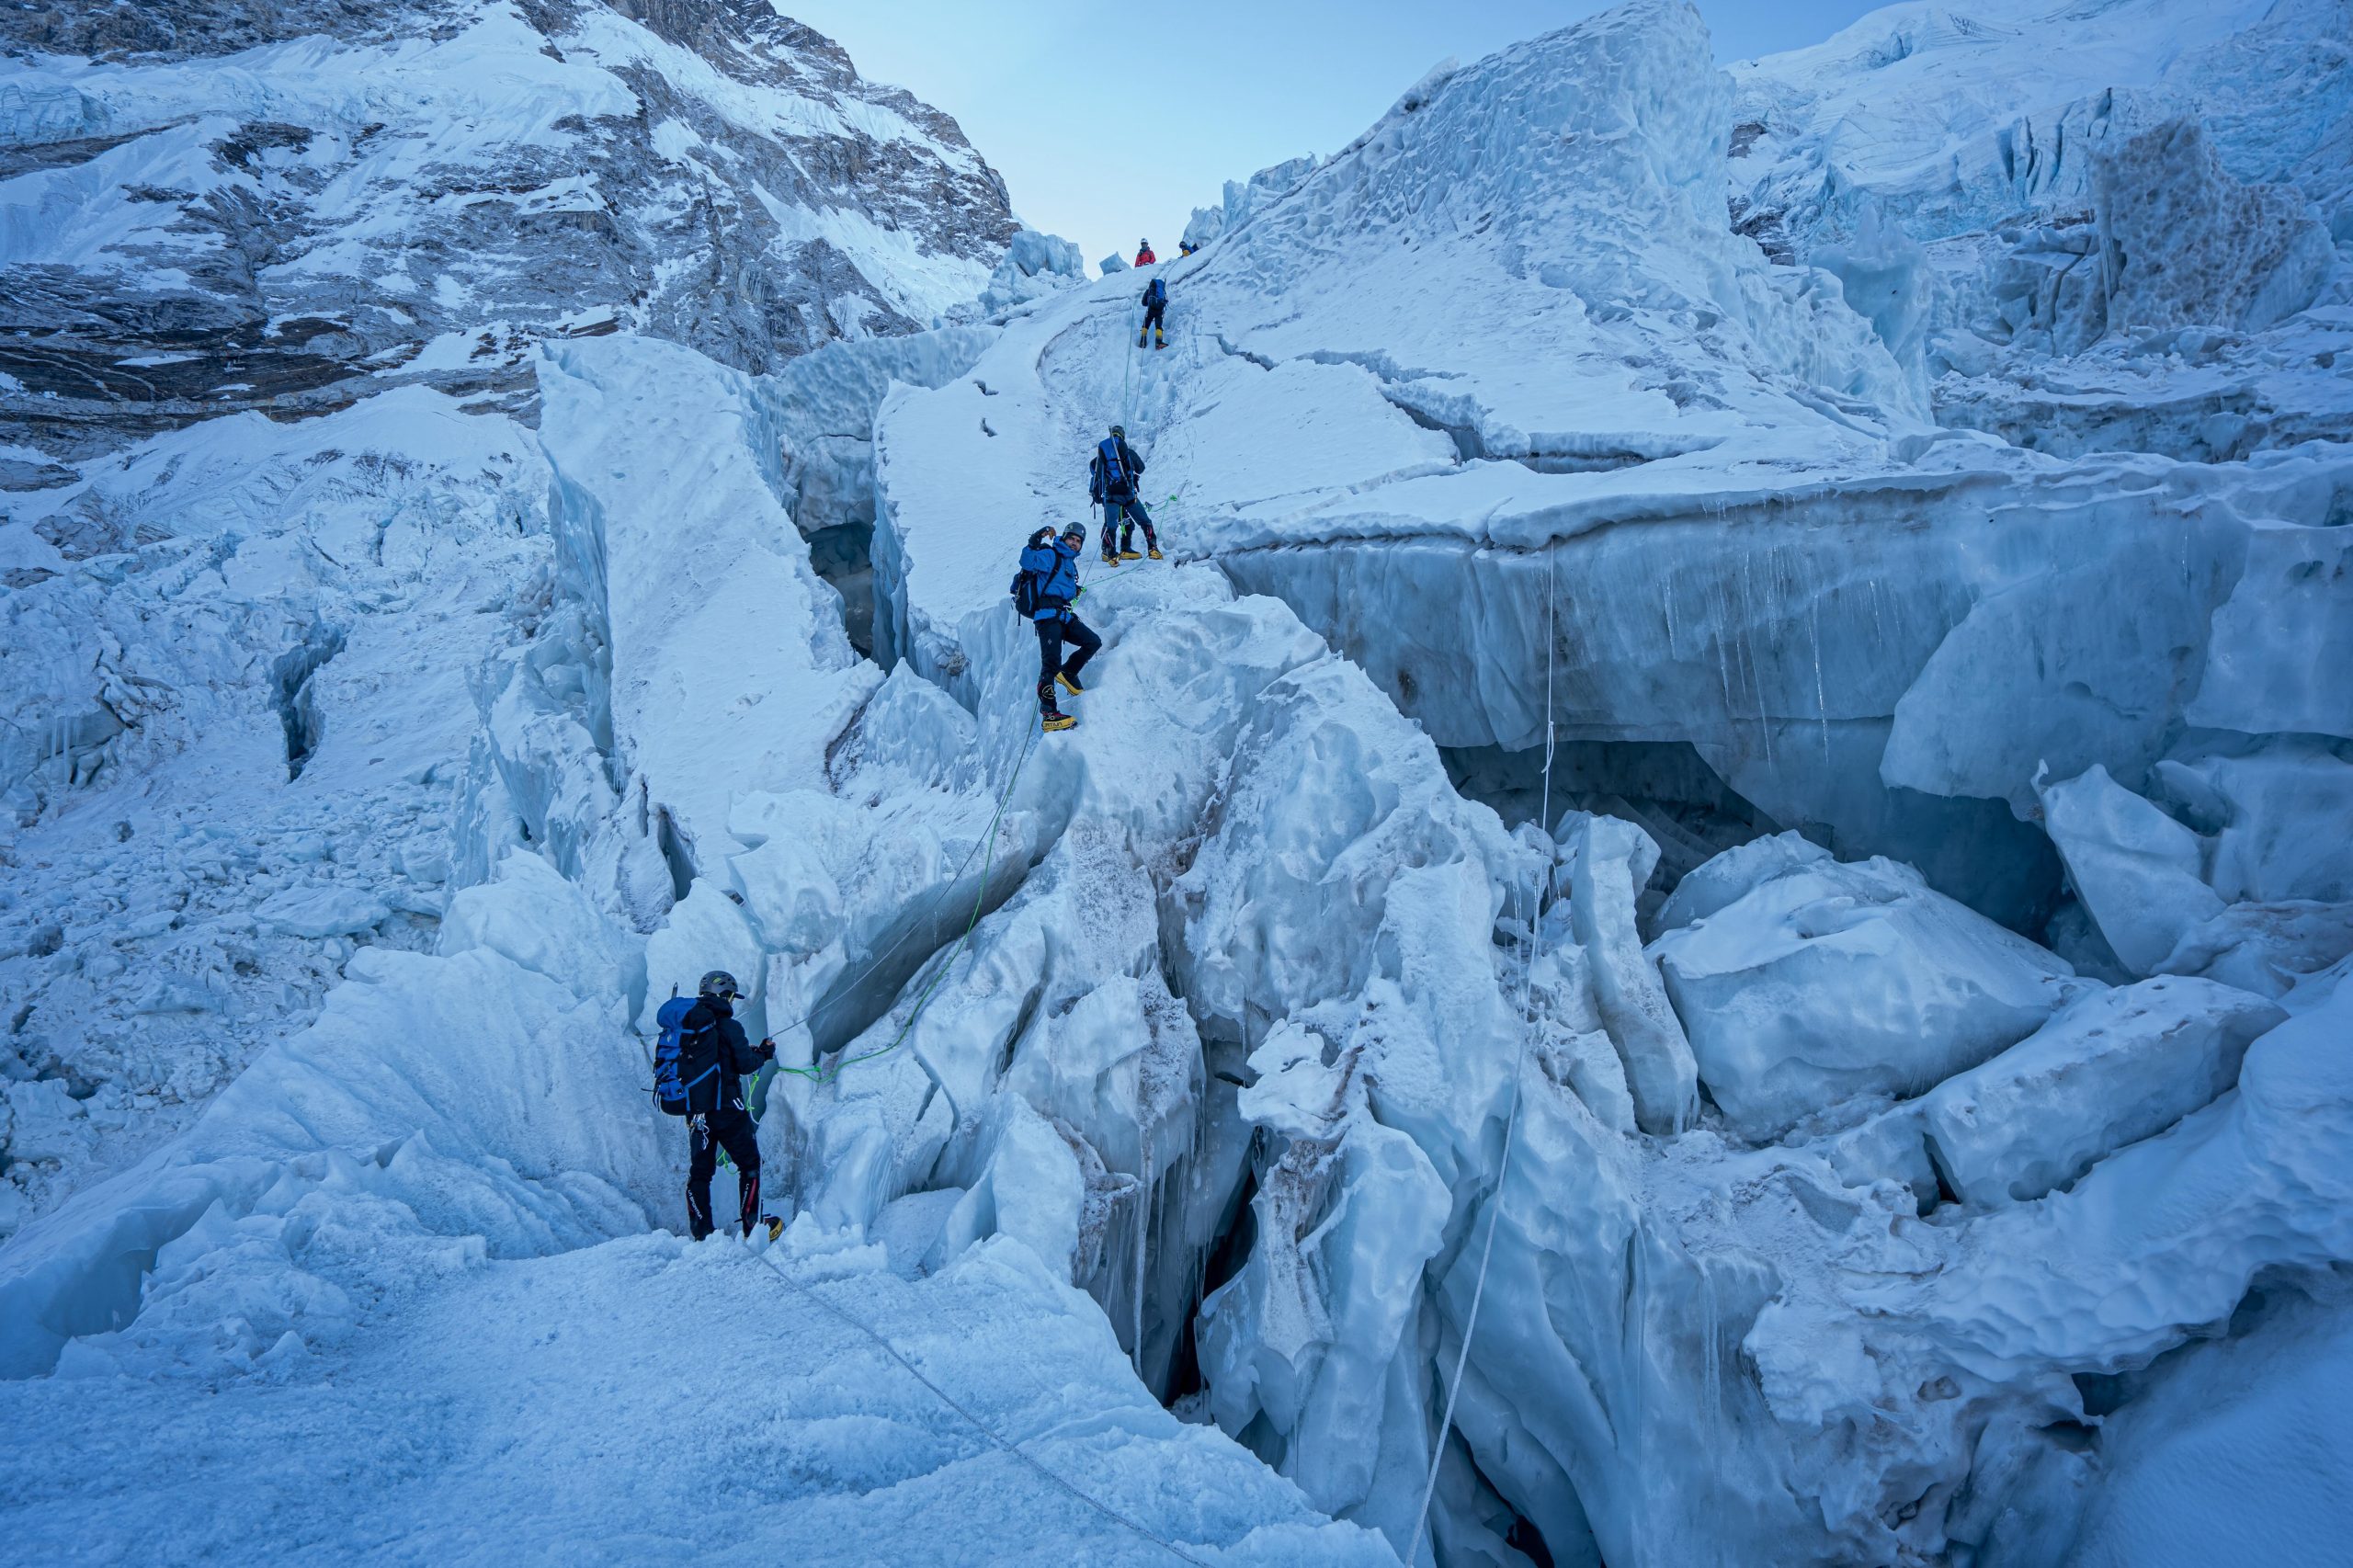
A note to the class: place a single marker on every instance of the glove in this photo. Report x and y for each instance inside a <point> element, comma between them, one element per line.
<point>766,1049</point>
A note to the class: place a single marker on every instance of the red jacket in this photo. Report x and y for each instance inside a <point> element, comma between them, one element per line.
<point>1144,257</point>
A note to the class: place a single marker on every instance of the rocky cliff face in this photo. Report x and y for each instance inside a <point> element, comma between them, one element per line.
<point>216,206</point>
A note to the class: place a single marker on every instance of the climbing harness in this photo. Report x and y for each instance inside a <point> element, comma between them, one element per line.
<point>1511,1116</point>
<point>995,1437</point>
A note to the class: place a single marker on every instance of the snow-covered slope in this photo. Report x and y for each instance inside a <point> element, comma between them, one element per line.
<point>674,760</point>
<point>276,280</point>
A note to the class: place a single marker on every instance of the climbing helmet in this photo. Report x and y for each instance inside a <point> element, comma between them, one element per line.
<point>719,983</point>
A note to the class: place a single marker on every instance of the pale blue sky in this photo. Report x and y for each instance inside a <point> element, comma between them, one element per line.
<point>1113,122</point>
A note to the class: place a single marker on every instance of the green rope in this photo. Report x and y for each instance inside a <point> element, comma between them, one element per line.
<point>818,1074</point>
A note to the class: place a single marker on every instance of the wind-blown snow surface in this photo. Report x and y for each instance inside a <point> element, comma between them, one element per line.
<point>1864,1103</point>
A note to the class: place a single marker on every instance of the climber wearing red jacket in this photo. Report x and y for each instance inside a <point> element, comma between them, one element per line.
<point>1143,254</point>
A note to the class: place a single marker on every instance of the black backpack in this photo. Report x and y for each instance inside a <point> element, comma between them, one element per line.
<point>1025,582</point>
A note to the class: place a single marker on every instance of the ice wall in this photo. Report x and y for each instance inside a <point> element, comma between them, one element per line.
<point>1630,1180</point>
<point>1514,423</point>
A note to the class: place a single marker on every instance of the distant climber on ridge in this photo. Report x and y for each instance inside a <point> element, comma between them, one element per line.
<point>1155,310</point>
<point>700,1065</point>
<point>1044,590</point>
<point>1143,254</point>
<point>1185,248</point>
<point>1111,484</point>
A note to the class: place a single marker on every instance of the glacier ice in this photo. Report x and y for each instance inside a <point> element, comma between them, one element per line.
<point>2135,868</point>
<point>1612,862</point>
<point>1831,981</point>
<point>2109,1070</point>
<point>1704,917</point>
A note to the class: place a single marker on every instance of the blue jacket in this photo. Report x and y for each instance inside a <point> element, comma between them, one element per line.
<point>1112,475</point>
<point>1055,566</point>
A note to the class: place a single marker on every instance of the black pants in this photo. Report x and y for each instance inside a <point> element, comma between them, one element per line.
<point>730,1128</point>
<point>1153,315</point>
<point>1052,632</point>
<point>1133,510</point>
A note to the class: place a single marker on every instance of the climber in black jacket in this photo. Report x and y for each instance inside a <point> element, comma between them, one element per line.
<point>713,1063</point>
<point>1111,484</point>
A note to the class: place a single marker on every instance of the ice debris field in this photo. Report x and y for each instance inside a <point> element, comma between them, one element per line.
<point>1702,918</point>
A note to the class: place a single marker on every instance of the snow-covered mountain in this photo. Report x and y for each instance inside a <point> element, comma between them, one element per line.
<point>1701,921</point>
<point>276,280</point>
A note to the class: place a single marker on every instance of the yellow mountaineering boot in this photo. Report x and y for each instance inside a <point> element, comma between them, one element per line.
<point>1069,685</point>
<point>1053,721</point>
<point>1131,555</point>
<point>1154,553</point>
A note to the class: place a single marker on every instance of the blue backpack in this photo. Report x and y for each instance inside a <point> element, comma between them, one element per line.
<point>1115,472</point>
<point>671,1089</point>
<point>1158,292</point>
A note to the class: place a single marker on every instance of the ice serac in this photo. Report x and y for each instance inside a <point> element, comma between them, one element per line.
<point>726,666</point>
<point>1302,1347</point>
<point>2289,618</point>
<point>1830,980</point>
<point>2252,900</point>
<point>382,1098</point>
<point>1613,863</point>
<point>1875,630</point>
<point>2183,244</point>
<point>2136,869</point>
<point>2169,1231</point>
<point>2108,1070</point>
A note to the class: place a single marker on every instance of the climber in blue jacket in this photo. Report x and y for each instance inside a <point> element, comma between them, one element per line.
<point>1049,586</point>
<point>1155,312</point>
